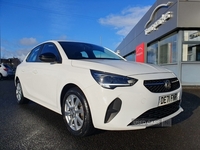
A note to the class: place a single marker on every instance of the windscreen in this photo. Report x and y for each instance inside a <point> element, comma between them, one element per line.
<point>75,50</point>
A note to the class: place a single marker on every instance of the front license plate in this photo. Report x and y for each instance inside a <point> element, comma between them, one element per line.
<point>167,99</point>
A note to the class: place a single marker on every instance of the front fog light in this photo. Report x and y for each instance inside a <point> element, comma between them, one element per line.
<point>111,81</point>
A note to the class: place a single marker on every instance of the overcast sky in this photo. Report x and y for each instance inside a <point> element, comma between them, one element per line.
<point>24,24</point>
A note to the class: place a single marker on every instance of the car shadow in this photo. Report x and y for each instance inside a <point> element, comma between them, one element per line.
<point>190,102</point>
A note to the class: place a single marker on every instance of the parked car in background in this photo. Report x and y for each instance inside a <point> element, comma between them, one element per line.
<point>93,87</point>
<point>6,71</point>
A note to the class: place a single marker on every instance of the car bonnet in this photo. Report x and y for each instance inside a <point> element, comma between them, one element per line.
<point>121,67</point>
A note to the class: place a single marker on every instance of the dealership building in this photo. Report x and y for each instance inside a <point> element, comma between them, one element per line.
<point>168,35</point>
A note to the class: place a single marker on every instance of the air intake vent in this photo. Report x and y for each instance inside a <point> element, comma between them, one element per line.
<point>157,113</point>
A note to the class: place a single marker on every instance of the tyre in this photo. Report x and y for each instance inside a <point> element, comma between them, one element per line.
<point>76,113</point>
<point>19,94</point>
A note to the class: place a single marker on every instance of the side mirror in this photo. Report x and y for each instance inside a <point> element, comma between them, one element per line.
<point>47,57</point>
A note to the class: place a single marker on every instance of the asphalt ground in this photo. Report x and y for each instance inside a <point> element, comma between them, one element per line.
<point>33,127</point>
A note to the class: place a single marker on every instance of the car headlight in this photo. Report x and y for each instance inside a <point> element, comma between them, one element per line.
<point>111,81</point>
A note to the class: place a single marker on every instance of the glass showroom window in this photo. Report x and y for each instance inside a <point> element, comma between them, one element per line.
<point>130,57</point>
<point>167,53</point>
<point>152,54</point>
<point>191,46</point>
<point>193,35</point>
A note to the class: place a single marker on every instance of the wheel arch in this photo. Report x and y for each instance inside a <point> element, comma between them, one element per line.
<point>1,76</point>
<point>16,79</point>
<point>66,88</point>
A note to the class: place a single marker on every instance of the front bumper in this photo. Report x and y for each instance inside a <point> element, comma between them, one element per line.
<point>135,100</point>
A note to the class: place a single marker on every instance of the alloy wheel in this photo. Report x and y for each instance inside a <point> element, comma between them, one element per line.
<point>74,112</point>
<point>18,92</point>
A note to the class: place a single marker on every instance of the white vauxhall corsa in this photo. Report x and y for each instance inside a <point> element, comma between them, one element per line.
<point>92,87</point>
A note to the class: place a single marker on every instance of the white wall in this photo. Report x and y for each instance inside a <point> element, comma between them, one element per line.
<point>174,68</point>
<point>190,74</point>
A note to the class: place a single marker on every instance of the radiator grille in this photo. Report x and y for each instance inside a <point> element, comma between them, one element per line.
<point>162,85</point>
